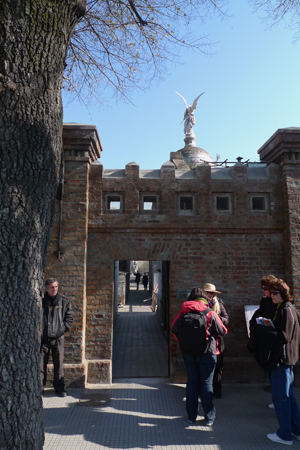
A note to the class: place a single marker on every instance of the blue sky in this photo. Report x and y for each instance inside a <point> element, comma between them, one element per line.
<point>251,87</point>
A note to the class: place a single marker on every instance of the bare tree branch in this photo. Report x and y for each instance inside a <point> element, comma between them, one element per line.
<point>276,11</point>
<point>125,44</point>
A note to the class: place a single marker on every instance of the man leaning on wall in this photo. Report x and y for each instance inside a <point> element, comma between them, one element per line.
<point>57,319</point>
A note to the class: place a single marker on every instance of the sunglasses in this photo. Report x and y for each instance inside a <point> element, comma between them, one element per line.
<point>264,288</point>
<point>274,292</point>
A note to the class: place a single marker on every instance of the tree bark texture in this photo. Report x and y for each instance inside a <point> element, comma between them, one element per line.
<point>34,35</point>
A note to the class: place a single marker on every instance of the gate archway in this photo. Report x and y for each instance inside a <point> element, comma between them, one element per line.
<point>140,330</point>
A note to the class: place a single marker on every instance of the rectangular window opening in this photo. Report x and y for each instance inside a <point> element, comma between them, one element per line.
<point>149,202</point>
<point>222,203</point>
<point>113,203</point>
<point>258,203</point>
<point>186,203</point>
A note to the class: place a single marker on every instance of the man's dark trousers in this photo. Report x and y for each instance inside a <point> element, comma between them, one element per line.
<point>55,346</point>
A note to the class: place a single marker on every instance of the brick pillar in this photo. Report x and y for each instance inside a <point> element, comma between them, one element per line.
<point>283,148</point>
<point>132,174</point>
<point>168,187</point>
<point>291,184</point>
<point>81,147</point>
<point>203,183</point>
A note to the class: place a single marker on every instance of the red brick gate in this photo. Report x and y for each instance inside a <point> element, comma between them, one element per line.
<point>225,225</point>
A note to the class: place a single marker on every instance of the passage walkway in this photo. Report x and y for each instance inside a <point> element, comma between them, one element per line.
<point>140,348</point>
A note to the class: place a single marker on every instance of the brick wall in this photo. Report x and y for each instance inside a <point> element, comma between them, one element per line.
<point>232,249</point>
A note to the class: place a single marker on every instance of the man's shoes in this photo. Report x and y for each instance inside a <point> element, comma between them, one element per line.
<point>271,406</point>
<point>191,421</point>
<point>275,438</point>
<point>209,422</point>
<point>61,393</point>
<point>296,437</point>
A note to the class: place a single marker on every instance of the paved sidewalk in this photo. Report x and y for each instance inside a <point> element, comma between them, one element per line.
<point>150,414</point>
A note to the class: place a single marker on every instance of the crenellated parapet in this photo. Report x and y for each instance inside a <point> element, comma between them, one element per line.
<point>241,196</point>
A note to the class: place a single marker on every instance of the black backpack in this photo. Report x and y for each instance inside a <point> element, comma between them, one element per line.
<point>192,332</point>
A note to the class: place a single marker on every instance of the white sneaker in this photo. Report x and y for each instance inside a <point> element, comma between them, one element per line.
<point>271,406</point>
<point>275,438</point>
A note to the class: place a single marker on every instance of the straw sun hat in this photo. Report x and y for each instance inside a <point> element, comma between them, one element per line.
<point>208,287</point>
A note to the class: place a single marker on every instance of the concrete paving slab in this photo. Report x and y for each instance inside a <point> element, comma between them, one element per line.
<point>150,414</point>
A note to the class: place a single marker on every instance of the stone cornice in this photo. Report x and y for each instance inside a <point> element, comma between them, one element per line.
<point>81,141</point>
<point>282,147</point>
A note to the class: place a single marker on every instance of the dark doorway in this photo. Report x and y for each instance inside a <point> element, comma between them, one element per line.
<point>140,336</point>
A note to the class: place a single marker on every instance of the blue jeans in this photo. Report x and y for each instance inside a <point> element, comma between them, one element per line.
<point>284,400</point>
<point>200,373</point>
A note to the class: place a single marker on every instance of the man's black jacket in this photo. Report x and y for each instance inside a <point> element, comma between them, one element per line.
<point>57,317</point>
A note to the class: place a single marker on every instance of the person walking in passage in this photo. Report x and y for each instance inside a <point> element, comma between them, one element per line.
<point>281,376</point>
<point>145,280</point>
<point>217,305</point>
<point>200,369</point>
<point>137,280</point>
<point>56,321</point>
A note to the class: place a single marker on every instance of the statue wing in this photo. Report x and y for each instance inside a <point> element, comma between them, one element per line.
<point>185,99</point>
<point>195,101</point>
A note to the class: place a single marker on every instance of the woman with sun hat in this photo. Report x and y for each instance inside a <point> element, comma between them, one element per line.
<point>218,306</point>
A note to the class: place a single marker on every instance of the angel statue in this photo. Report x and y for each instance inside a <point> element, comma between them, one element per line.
<point>189,120</point>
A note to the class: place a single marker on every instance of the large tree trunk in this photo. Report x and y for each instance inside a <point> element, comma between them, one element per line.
<point>34,35</point>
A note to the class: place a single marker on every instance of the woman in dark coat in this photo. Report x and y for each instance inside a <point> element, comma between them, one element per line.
<point>266,308</point>
<point>281,375</point>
